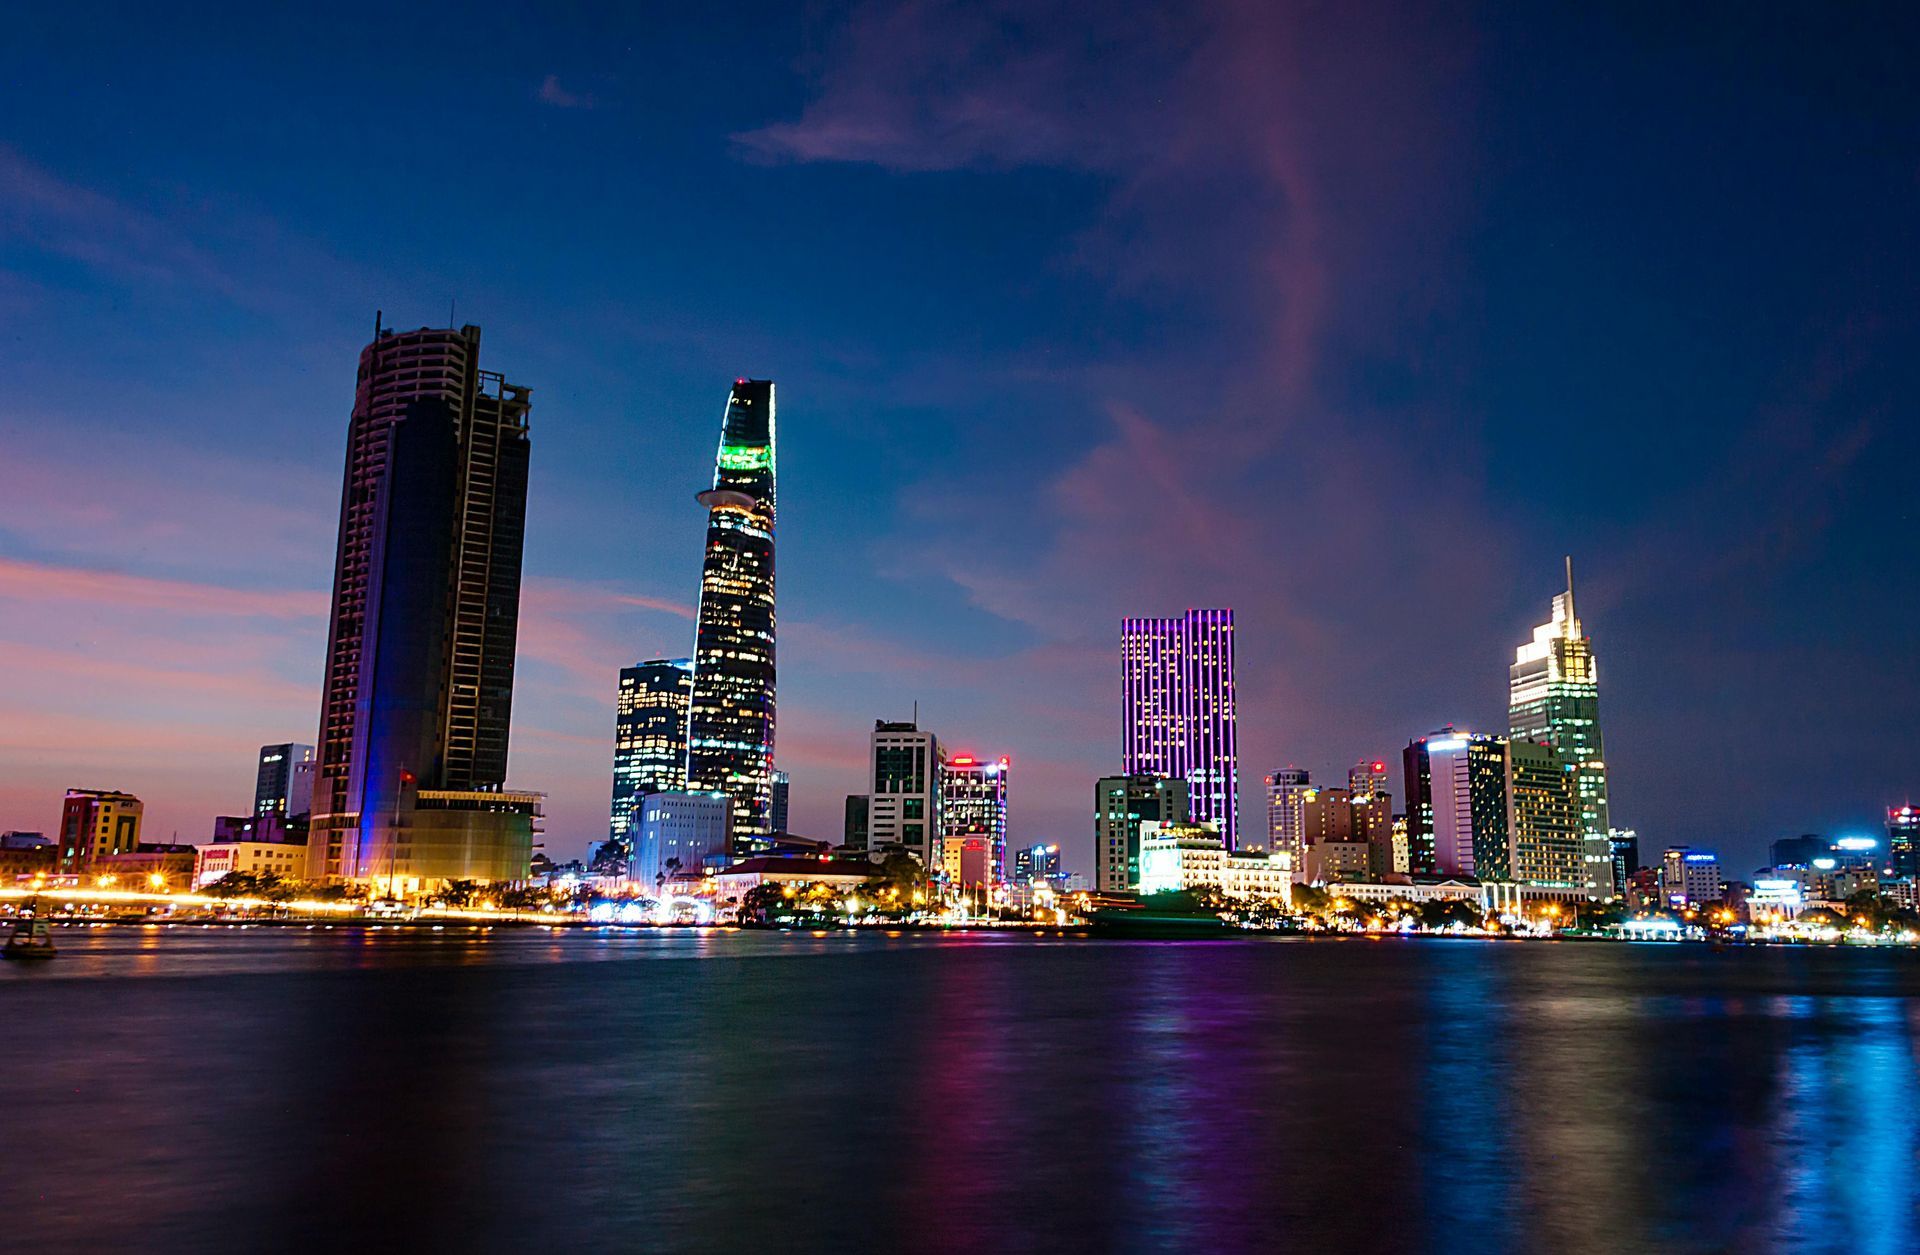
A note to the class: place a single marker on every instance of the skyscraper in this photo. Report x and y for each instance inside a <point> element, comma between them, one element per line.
<point>973,821</point>
<point>1177,709</point>
<point>903,791</point>
<point>1120,805</point>
<point>418,688</point>
<point>279,788</point>
<point>1554,698</point>
<point>1903,840</point>
<point>1499,809</point>
<point>649,738</point>
<point>730,724</point>
<point>782,800</point>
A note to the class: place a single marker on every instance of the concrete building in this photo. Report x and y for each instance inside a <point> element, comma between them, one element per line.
<point>1689,877</point>
<point>731,883</point>
<point>1121,804</point>
<point>1177,710</point>
<point>279,786</point>
<point>1286,819</point>
<point>258,858</point>
<point>903,791</point>
<point>418,686</point>
<point>1176,856</point>
<point>679,834</point>
<point>973,821</point>
<point>95,824</point>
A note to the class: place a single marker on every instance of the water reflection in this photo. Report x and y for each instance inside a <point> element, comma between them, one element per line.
<point>293,1089</point>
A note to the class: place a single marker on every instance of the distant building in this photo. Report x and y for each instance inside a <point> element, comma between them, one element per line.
<point>903,791</point>
<point>1495,809</point>
<point>1368,776</point>
<point>25,855</point>
<point>1689,877</point>
<point>1033,863</point>
<point>679,833</point>
<point>1903,840</point>
<point>95,824</point>
<point>279,788</point>
<point>1121,804</point>
<point>269,829</point>
<point>649,737</point>
<point>417,692</point>
<point>1625,843</point>
<point>1554,699</point>
<point>15,839</point>
<point>1402,848</point>
<point>255,858</point>
<point>147,865</point>
<point>782,793</point>
<point>854,831</point>
<point>1603,880</point>
<point>1799,851</point>
<point>732,883</point>
<point>973,821</point>
<point>1286,820</point>
<point>1177,710</point>
<point>1187,856</point>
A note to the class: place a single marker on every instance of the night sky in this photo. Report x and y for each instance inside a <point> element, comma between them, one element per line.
<point>1353,322</point>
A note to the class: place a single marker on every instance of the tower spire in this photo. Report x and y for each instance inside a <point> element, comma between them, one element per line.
<point>1569,586</point>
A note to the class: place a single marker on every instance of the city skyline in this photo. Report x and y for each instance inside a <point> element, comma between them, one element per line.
<point>1375,442</point>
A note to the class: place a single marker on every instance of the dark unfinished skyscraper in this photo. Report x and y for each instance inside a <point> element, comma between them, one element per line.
<point>426,604</point>
<point>730,725</point>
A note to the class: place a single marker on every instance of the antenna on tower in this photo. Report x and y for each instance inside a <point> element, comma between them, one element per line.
<point>376,322</point>
<point>1569,586</point>
<point>450,307</point>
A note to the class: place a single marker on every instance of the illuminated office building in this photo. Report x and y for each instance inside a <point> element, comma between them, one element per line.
<point>1903,840</point>
<point>279,786</point>
<point>1285,814</point>
<point>1177,710</point>
<point>1554,698</point>
<point>903,791</point>
<point>1121,804</point>
<point>730,724</point>
<point>649,738</point>
<point>418,686</point>
<point>95,824</point>
<point>1495,808</point>
<point>973,821</point>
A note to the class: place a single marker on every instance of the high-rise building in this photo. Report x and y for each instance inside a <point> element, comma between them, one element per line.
<point>1903,840</point>
<point>782,797</point>
<point>96,823</point>
<point>1495,808</point>
<point>903,791</point>
<point>1177,710</point>
<point>418,688</point>
<point>1120,805</point>
<point>1554,698</point>
<point>973,821</point>
<point>649,737</point>
<point>279,788</point>
<point>731,723</point>
<point>1368,776</point>
<point>1285,818</point>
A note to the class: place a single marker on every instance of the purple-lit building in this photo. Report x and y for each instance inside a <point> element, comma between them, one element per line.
<point>418,690</point>
<point>1177,710</point>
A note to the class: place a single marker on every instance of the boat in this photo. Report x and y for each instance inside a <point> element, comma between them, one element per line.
<point>31,939</point>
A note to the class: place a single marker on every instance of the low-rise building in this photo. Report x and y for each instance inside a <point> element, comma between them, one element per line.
<point>731,884</point>
<point>255,858</point>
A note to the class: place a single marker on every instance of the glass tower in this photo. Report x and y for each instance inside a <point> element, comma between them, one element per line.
<point>1554,699</point>
<point>650,738</point>
<point>731,717</point>
<point>1177,710</point>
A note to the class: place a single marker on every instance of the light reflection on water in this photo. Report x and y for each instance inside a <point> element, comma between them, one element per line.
<point>487,1089</point>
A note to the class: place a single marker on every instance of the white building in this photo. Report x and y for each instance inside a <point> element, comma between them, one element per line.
<point>1689,877</point>
<point>903,790</point>
<point>676,834</point>
<point>255,858</point>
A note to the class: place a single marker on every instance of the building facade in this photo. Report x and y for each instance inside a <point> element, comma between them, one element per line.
<point>1177,710</point>
<point>1689,877</point>
<point>279,786</point>
<point>782,801</point>
<point>973,821</point>
<point>649,737</point>
<point>730,724</point>
<point>1121,804</point>
<point>1554,699</point>
<point>903,791</point>
<point>1903,840</point>
<point>97,823</point>
<point>678,833</point>
<point>418,684</point>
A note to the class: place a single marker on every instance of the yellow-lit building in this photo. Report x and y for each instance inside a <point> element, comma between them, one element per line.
<point>95,823</point>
